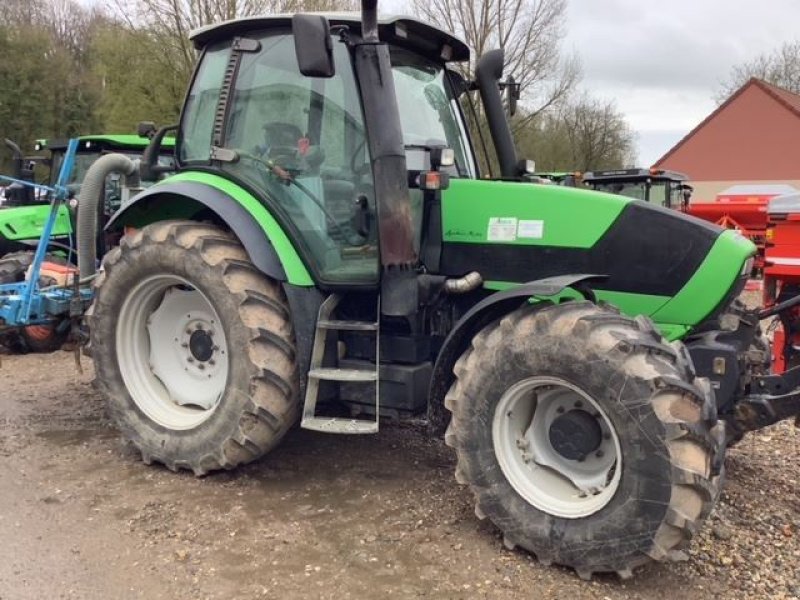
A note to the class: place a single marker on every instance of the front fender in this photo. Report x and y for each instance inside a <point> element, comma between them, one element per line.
<point>193,195</point>
<point>478,317</point>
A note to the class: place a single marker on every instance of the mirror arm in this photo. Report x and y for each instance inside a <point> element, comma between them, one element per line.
<point>148,169</point>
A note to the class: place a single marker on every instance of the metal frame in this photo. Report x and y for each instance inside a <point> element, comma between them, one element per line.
<point>18,301</point>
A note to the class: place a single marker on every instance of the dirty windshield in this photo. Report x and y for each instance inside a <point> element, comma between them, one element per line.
<point>428,111</point>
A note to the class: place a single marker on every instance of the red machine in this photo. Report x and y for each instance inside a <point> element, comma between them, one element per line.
<point>743,208</point>
<point>782,278</point>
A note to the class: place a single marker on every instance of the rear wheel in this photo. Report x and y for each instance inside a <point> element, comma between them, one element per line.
<point>585,438</point>
<point>34,338</point>
<point>193,348</point>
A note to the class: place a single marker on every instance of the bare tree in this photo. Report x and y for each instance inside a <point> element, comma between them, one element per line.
<point>584,134</point>
<point>529,31</point>
<point>780,67</point>
<point>171,21</point>
<point>598,134</point>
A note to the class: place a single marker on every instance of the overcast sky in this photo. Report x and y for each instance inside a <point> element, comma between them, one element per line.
<point>663,62</point>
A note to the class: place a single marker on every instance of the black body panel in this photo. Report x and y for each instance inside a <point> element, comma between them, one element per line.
<point>626,253</point>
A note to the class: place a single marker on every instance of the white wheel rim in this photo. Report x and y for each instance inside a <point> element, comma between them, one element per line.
<point>172,352</point>
<point>565,488</point>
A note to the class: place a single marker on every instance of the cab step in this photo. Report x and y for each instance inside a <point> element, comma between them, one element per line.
<point>350,375</point>
<point>339,425</point>
<point>326,325</point>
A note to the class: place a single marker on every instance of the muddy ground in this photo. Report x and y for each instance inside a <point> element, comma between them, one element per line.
<point>322,517</point>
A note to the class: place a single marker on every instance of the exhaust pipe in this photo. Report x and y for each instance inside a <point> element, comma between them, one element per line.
<point>488,73</point>
<point>369,20</point>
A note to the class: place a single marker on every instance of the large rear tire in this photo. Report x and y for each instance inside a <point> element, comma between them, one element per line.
<point>193,348</point>
<point>585,437</point>
<point>40,339</point>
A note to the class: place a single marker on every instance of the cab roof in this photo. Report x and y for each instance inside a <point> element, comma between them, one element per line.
<point>401,30</point>
<point>107,142</point>
<point>633,175</point>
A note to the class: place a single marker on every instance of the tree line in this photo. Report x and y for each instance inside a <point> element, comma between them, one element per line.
<point>70,70</point>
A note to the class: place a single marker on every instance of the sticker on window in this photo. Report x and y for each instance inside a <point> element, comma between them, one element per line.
<point>533,230</point>
<point>502,229</point>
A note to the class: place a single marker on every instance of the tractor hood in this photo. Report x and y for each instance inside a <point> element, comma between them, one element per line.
<point>654,261</point>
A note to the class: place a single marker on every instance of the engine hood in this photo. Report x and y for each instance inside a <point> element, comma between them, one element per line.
<point>655,261</point>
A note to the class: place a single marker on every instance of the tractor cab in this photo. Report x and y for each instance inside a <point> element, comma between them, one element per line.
<point>303,141</point>
<point>657,186</point>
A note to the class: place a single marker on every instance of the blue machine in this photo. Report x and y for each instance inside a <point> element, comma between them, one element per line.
<point>25,303</point>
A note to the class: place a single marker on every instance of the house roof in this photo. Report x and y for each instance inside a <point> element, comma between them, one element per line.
<point>785,98</point>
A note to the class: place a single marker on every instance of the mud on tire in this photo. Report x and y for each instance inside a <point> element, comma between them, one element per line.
<point>259,402</point>
<point>671,444</point>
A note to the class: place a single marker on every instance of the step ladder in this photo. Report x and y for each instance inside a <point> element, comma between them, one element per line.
<point>318,373</point>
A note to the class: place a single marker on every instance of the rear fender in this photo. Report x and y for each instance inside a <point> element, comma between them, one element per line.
<point>478,317</point>
<point>195,200</point>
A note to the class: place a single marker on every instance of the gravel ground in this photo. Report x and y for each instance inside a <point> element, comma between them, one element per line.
<point>322,517</point>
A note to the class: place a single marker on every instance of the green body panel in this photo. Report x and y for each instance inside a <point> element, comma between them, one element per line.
<point>26,222</point>
<point>572,217</point>
<point>714,276</point>
<point>296,271</point>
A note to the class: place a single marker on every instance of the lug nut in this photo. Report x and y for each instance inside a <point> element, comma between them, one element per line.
<point>578,404</point>
<point>582,458</point>
<point>212,362</point>
<point>199,327</point>
<point>201,366</point>
<point>215,348</point>
<point>599,454</point>
<point>560,410</point>
<point>190,359</point>
<point>184,345</point>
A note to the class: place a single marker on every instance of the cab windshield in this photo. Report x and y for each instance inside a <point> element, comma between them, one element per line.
<point>662,193</point>
<point>84,160</point>
<point>429,112</point>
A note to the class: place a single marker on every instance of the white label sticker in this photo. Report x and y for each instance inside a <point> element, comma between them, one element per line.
<point>531,229</point>
<point>502,229</point>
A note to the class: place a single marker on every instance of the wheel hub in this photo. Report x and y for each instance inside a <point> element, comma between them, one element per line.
<point>575,434</point>
<point>201,345</point>
<point>172,352</point>
<point>557,447</point>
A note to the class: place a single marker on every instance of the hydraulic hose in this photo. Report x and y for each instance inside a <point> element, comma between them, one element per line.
<point>779,308</point>
<point>91,195</point>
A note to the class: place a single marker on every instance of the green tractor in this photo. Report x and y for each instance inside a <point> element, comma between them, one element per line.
<point>662,187</point>
<point>25,212</point>
<point>327,251</point>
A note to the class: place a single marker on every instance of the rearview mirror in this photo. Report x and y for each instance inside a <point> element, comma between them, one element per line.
<point>146,129</point>
<point>313,45</point>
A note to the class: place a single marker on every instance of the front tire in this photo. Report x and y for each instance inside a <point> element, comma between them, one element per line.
<point>193,348</point>
<point>585,438</point>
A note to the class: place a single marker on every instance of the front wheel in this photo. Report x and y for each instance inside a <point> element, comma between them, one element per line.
<point>584,437</point>
<point>193,348</point>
